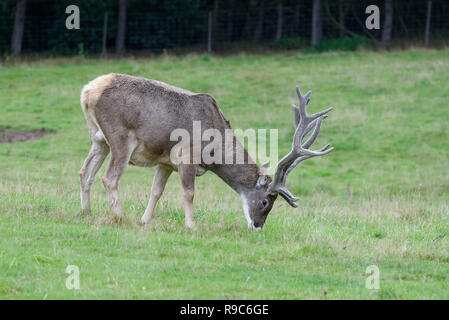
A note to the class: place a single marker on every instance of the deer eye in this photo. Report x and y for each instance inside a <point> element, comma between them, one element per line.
<point>264,202</point>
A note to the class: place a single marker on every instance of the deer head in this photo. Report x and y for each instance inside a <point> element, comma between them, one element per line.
<point>257,203</point>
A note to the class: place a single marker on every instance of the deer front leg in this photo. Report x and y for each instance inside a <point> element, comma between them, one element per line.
<point>187,173</point>
<point>161,175</point>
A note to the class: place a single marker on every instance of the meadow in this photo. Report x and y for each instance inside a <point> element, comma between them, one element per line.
<point>380,198</point>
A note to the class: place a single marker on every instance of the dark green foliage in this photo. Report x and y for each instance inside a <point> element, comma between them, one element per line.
<point>288,43</point>
<point>342,44</point>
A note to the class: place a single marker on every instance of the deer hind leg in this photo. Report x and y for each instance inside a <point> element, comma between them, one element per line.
<point>161,175</point>
<point>187,175</point>
<point>98,152</point>
<point>121,150</point>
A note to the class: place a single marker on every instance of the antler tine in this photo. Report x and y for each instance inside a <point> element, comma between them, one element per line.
<point>302,98</point>
<point>284,193</point>
<point>303,101</point>
<point>301,112</point>
<point>319,114</point>
<point>300,151</point>
<point>315,133</point>
<point>321,152</point>
<point>311,126</point>
<point>324,150</point>
<point>297,115</point>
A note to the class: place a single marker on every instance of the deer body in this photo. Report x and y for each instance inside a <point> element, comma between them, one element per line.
<point>133,118</point>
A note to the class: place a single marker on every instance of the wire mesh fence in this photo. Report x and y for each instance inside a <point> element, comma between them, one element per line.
<point>223,24</point>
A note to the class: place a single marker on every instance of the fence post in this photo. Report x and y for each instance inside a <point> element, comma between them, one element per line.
<point>209,33</point>
<point>105,31</point>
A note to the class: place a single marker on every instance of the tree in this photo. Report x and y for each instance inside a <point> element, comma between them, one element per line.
<point>17,33</point>
<point>295,28</point>
<point>342,11</point>
<point>280,20</point>
<point>317,25</point>
<point>388,22</point>
<point>121,29</point>
<point>428,17</point>
<point>260,19</point>
<point>105,33</point>
<point>214,20</point>
<point>230,26</point>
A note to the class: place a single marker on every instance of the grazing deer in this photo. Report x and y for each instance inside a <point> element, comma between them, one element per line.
<point>133,118</point>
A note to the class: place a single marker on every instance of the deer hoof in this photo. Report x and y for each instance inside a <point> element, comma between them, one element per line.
<point>190,225</point>
<point>145,221</point>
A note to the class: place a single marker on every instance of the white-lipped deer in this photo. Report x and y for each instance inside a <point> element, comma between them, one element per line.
<point>133,118</point>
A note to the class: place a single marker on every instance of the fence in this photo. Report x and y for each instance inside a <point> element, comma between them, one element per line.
<point>222,25</point>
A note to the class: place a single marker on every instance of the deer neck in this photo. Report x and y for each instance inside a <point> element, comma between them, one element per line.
<point>240,177</point>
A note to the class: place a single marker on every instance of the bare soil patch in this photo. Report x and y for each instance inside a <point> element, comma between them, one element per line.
<point>8,136</point>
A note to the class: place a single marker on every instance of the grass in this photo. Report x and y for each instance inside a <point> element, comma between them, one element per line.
<point>381,198</point>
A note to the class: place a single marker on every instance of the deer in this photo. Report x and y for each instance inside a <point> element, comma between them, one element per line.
<point>132,119</point>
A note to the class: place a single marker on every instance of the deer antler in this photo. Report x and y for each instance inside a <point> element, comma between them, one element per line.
<point>304,123</point>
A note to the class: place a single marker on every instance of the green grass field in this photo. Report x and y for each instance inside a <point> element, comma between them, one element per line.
<point>381,198</point>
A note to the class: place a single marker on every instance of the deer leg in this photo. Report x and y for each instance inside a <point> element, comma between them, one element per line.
<point>161,175</point>
<point>120,155</point>
<point>98,152</point>
<point>187,173</point>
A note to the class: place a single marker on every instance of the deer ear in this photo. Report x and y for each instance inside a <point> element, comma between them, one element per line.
<point>262,181</point>
<point>263,175</point>
<point>264,169</point>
